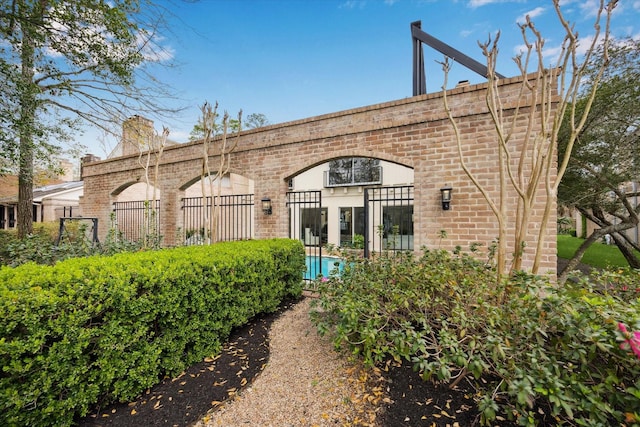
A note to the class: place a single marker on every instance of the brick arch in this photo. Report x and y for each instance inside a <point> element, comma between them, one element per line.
<point>412,132</point>
<point>191,181</point>
<point>183,186</point>
<point>123,187</point>
<point>345,154</point>
<point>119,189</point>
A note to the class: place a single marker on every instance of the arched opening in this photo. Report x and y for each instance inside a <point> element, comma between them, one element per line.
<point>136,212</point>
<point>133,191</point>
<point>216,209</point>
<point>344,218</point>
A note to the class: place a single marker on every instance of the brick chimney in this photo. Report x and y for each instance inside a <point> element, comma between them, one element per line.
<point>137,133</point>
<point>87,158</point>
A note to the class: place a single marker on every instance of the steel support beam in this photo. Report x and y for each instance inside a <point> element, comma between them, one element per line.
<point>418,37</point>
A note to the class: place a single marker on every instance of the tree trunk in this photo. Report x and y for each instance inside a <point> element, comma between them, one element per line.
<point>25,190</point>
<point>26,126</point>
<point>630,242</point>
<point>614,230</point>
<point>573,262</point>
<point>598,217</point>
<point>627,250</point>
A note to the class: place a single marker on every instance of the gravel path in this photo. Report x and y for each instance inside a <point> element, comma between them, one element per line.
<point>305,383</point>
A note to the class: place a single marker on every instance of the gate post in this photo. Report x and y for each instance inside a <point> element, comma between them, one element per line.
<point>367,233</point>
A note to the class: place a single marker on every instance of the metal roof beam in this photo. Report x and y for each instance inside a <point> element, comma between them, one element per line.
<point>418,36</point>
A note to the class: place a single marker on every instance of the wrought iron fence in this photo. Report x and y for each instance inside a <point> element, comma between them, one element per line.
<point>234,218</point>
<point>83,229</point>
<point>307,223</point>
<point>389,216</point>
<point>67,211</point>
<point>137,220</point>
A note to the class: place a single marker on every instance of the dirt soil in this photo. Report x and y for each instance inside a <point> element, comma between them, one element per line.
<point>183,400</point>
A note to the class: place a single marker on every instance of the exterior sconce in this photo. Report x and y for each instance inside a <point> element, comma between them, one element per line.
<point>266,206</point>
<point>445,193</point>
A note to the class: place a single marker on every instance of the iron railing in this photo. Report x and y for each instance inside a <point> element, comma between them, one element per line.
<point>389,217</point>
<point>234,218</point>
<point>306,225</point>
<point>137,220</point>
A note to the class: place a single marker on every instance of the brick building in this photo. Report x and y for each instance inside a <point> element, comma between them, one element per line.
<point>413,133</point>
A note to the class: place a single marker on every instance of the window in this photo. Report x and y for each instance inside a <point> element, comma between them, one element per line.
<point>351,224</point>
<point>313,224</point>
<point>12,216</point>
<point>397,227</point>
<point>353,171</point>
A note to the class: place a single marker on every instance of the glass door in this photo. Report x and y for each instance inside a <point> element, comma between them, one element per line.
<point>346,227</point>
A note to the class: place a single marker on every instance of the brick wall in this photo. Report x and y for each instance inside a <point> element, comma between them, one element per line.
<point>413,132</point>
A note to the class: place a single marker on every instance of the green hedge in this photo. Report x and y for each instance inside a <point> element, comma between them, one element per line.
<point>104,329</point>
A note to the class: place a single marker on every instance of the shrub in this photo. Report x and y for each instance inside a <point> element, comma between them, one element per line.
<point>541,349</point>
<point>107,328</point>
<point>36,247</point>
<point>42,246</point>
<point>7,238</point>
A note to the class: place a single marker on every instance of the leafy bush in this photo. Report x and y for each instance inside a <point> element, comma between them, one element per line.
<point>41,247</point>
<point>103,329</point>
<point>7,238</point>
<point>539,349</point>
<point>36,247</point>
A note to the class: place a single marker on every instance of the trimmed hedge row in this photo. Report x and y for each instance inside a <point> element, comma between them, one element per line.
<point>103,329</point>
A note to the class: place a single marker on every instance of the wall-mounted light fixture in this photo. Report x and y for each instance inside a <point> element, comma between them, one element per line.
<point>266,206</point>
<point>445,194</point>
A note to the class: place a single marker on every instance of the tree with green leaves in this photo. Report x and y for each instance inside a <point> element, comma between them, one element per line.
<point>63,63</point>
<point>256,120</point>
<point>602,181</point>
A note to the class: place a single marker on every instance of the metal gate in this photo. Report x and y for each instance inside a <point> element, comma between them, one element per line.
<point>388,214</point>
<point>234,218</point>
<point>308,223</point>
<point>137,220</point>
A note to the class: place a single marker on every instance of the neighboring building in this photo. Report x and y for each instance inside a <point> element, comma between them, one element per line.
<point>50,202</point>
<point>57,198</point>
<point>8,200</point>
<point>56,201</point>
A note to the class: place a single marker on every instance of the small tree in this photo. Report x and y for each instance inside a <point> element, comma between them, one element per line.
<point>153,146</point>
<point>253,121</point>
<point>256,120</point>
<point>544,100</point>
<point>221,147</point>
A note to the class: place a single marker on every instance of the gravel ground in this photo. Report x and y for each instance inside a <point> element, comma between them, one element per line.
<point>305,383</point>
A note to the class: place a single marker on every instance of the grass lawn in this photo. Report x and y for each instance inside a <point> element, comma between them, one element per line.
<point>598,254</point>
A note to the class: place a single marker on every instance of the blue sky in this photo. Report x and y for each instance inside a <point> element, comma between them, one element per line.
<point>292,59</point>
